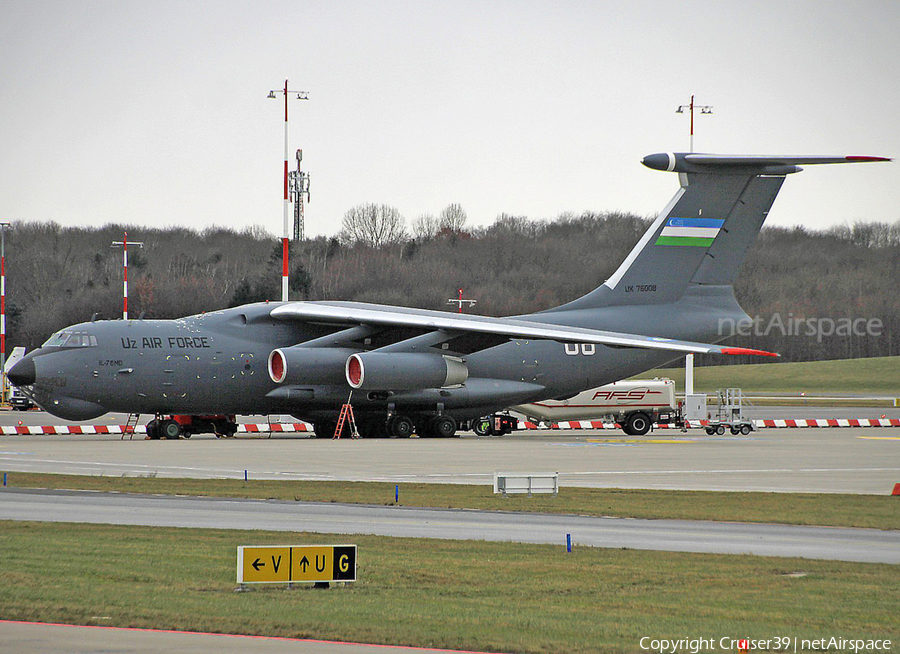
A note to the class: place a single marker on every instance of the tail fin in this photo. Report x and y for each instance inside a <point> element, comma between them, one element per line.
<point>703,234</point>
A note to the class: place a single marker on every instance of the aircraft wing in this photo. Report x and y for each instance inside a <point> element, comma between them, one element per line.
<point>376,315</point>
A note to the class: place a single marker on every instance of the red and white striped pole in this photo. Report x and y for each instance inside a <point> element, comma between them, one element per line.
<point>704,109</point>
<point>124,244</point>
<point>3,228</point>
<point>125,287</point>
<point>285,241</point>
<point>460,301</point>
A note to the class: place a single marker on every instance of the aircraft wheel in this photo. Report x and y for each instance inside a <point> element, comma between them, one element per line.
<point>443,427</point>
<point>400,427</point>
<point>170,429</point>
<point>482,427</point>
<point>745,429</point>
<point>153,429</point>
<point>720,430</point>
<point>638,423</point>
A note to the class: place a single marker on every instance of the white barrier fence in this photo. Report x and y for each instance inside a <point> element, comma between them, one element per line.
<point>507,483</point>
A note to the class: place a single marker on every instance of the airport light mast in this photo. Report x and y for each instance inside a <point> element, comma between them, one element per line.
<point>460,301</point>
<point>704,109</point>
<point>124,243</point>
<point>3,386</point>
<point>285,240</point>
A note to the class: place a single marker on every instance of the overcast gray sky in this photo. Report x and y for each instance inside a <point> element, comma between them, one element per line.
<point>155,113</point>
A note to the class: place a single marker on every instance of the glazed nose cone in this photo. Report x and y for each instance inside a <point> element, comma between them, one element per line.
<point>22,374</point>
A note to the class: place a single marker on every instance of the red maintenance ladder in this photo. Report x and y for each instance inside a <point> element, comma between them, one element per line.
<point>130,425</point>
<point>346,416</point>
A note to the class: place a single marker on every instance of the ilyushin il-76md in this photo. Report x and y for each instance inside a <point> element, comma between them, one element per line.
<point>406,370</point>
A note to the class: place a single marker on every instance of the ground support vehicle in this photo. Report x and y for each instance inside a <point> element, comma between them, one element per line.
<point>176,426</point>
<point>17,398</point>
<point>19,401</point>
<point>729,414</point>
<point>497,424</point>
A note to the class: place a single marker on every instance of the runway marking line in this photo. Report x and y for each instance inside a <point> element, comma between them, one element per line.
<point>206,633</point>
<point>728,471</point>
<point>657,441</point>
<point>880,438</point>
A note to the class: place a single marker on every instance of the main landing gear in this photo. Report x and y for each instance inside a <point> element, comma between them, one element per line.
<point>397,426</point>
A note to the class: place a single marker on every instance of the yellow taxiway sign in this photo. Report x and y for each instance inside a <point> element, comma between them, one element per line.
<point>283,564</point>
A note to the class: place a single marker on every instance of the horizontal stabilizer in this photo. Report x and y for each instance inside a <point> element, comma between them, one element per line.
<point>763,164</point>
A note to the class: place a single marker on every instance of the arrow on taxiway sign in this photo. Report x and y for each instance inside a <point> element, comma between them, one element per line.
<point>255,566</point>
<point>304,563</point>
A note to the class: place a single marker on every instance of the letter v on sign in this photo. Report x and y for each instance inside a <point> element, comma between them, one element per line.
<point>265,564</point>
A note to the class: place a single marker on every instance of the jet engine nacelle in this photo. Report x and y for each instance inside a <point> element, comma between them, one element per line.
<point>308,365</point>
<point>403,371</point>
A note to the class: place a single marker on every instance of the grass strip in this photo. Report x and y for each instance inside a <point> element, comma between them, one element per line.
<point>432,593</point>
<point>832,510</point>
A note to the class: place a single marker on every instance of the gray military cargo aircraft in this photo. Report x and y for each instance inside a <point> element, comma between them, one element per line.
<point>432,371</point>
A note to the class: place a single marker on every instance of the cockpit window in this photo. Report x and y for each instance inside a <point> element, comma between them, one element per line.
<point>57,340</point>
<point>71,339</point>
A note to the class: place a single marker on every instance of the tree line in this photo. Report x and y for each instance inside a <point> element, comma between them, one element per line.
<point>58,276</point>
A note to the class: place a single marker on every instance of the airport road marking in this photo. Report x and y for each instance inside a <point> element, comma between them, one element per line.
<point>880,438</point>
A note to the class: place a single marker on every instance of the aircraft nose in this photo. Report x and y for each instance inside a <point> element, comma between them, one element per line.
<point>22,374</point>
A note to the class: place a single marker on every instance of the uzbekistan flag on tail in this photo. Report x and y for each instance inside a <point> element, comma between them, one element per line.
<point>690,231</point>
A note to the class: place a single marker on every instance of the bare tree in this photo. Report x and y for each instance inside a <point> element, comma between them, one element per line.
<point>453,217</point>
<point>425,227</point>
<point>373,224</point>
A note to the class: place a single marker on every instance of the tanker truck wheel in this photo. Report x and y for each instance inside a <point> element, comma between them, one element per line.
<point>637,424</point>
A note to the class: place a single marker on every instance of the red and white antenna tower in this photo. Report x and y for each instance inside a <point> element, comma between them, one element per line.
<point>285,240</point>
<point>124,243</point>
<point>299,188</point>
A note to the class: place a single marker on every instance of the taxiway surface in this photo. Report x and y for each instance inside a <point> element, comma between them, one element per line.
<point>18,637</point>
<point>840,544</point>
<point>818,460</point>
<point>848,460</point>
